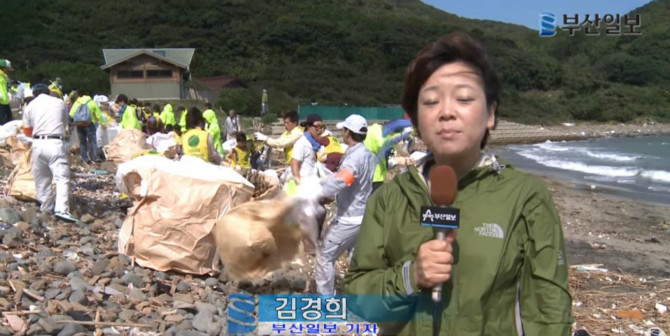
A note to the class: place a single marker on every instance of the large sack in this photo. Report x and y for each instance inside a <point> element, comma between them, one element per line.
<point>163,142</point>
<point>257,238</point>
<point>260,237</point>
<point>21,183</point>
<point>11,128</point>
<point>177,205</point>
<point>11,151</point>
<point>266,184</point>
<point>125,145</point>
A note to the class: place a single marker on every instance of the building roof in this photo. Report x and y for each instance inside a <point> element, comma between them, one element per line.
<point>180,57</point>
<point>218,82</point>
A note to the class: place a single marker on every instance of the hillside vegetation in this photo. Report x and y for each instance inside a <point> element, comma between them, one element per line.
<point>345,51</point>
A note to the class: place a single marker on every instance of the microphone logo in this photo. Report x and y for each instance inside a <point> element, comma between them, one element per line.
<point>439,216</point>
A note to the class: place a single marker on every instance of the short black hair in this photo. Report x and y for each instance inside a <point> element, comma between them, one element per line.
<point>448,49</point>
<point>357,137</point>
<point>240,137</point>
<point>121,98</point>
<point>40,89</point>
<point>194,118</point>
<point>292,116</point>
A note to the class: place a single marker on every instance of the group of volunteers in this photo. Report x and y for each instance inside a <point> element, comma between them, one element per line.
<point>503,272</point>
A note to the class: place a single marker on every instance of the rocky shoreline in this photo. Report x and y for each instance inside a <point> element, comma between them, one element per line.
<point>67,279</point>
<point>513,133</point>
<point>64,279</point>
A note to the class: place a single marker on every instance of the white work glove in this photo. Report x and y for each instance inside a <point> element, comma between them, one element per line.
<point>305,208</point>
<point>260,136</point>
<point>310,189</point>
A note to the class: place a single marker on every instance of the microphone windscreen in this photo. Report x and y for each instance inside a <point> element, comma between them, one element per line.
<point>443,185</point>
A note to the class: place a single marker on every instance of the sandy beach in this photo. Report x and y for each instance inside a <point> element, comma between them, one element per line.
<point>627,238</point>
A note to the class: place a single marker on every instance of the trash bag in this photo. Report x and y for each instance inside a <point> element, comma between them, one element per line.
<point>12,150</point>
<point>125,145</point>
<point>259,237</point>
<point>21,183</point>
<point>177,204</point>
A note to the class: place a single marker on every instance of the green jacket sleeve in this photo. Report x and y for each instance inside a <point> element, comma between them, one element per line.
<point>74,108</point>
<point>545,301</point>
<point>392,286</point>
<point>96,112</point>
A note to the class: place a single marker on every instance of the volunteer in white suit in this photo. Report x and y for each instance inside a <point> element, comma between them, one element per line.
<point>47,117</point>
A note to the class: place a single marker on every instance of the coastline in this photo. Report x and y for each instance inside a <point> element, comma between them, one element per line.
<point>507,132</point>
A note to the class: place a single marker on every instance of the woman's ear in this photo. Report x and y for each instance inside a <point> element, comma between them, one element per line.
<point>491,120</point>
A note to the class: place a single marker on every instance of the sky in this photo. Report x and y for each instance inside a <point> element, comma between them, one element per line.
<point>526,12</point>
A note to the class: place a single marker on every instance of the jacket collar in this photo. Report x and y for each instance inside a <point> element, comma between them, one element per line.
<point>487,164</point>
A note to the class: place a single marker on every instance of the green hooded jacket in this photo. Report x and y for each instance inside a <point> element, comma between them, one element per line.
<point>129,119</point>
<point>167,116</point>
<point>213,129</point>
<point>509,277</point>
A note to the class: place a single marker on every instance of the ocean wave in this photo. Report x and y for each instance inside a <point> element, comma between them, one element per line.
<point>656,175</point>
<point>657,188</point>
<point>611,157</point>
<point>580,166</point>
<point>552,146</point>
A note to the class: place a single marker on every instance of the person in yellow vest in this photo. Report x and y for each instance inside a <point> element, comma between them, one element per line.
<point>374,142</point>
<point>87,129</point>
<point>167,117</point>
<point>331,153</point>
<point>5,110</point>
<point>288,138</point>
<point>240,156</point>
<point>127,114</point>
<point>213,127</point>
<point>182,121</point>
<point>196,141</point>
<point>154,122</point>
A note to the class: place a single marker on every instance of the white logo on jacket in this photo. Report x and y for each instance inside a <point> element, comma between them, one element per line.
<point>490,230</point>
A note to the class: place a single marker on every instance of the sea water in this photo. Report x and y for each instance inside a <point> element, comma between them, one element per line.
<point>635,167</point>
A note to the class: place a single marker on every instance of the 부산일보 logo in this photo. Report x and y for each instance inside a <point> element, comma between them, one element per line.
<point>547,24</point>
<point>241,308</point>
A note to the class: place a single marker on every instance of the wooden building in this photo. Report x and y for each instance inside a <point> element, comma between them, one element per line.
<point>148,74</point>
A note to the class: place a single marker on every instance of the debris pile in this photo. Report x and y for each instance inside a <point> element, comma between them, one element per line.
<point>609,303</point>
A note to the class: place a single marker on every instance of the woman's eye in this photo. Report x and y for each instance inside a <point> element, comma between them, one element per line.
<point>465,99</point>
<point>429,102</point>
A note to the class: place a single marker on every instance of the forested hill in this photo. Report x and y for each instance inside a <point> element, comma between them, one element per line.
<point>352,51</point>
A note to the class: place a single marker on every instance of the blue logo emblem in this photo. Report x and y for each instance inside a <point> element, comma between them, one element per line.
<point>547,24</point>
<point>241,320</point>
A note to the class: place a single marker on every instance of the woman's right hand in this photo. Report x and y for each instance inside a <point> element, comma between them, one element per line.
<point>433,262</point>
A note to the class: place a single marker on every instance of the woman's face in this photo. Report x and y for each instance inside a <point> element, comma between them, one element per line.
<point>452,112</point>
<point>316,129</point>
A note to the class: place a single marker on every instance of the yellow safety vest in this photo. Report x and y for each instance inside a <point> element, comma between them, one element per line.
<point>288,151</point>
<point>194,143</point>
<point>243,159</point>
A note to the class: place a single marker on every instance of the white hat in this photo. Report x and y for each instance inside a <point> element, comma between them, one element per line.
<point>27,93</point>
<point>354,123</point>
